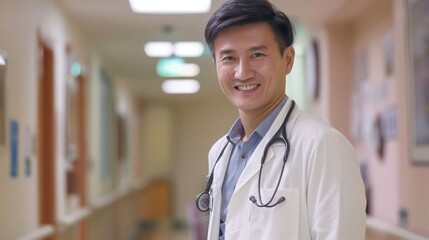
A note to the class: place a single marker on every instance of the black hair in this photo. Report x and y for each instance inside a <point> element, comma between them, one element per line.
<point>241,12</point>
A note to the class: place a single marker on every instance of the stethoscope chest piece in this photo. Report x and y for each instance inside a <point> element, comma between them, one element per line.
<point>203,201</point>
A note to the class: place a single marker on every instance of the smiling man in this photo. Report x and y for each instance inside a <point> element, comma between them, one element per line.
<point>279,173</point>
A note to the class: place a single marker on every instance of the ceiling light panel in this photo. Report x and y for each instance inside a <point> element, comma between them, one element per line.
<point>188,49</point>
<point>178,49</point>
<point>170,6</point>
<point>158,49</point>
<point>181,86</point>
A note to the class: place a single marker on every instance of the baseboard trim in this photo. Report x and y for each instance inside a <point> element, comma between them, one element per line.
<point>392,229</point>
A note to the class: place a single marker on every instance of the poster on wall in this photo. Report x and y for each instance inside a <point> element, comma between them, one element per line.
<point>419,76</point>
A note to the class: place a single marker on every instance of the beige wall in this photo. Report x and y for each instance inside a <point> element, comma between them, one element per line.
<point>197,125</point>
<point>157,131</point>
<point>371,28</point>
<point>18,205</point>
<point>339,68</point>
<point>19,23</point>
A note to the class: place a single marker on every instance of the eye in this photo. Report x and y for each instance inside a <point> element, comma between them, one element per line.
<point>227,59</point>
<point>257,55</point>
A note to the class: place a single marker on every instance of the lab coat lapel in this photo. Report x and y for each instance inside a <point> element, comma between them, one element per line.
<point>219,174</point>
<point>254,163</point>
<point>221,167</point>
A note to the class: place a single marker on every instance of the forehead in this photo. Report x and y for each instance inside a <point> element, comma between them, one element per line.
<point>245,36</point>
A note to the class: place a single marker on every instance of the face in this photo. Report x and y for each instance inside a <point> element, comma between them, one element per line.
<point>250,69</point>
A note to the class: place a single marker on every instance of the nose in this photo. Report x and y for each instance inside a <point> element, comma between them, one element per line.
<point>243,70</point>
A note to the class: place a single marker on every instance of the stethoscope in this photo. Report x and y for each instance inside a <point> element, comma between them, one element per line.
<point>203,199</point>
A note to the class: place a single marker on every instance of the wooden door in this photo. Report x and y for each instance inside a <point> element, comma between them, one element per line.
<point>46,137</point>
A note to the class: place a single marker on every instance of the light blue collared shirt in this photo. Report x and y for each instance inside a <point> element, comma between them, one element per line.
<point>239,157</point>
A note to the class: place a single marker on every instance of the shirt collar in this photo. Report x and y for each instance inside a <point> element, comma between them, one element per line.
<point>237,130</point>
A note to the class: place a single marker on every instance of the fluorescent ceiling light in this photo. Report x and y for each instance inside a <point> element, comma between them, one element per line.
<point>180,86</point>
<point>178,49</point>
<point>176,67</point>
<point>158,49</point>
<point>170,6</point>
<point>188,49</point>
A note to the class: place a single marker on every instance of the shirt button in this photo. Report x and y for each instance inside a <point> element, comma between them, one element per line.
<point>243,155</point>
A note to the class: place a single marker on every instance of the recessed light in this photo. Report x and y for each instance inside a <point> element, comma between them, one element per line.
<point>158,49</point>
<point>170,6</point>
<point>178,49</point>
<point>188,49</point>
<point>181,86</point>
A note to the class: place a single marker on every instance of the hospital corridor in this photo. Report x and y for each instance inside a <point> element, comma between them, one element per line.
<point>108,110</point>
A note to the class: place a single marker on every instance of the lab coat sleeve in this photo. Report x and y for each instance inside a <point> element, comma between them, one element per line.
<point>336,197</point>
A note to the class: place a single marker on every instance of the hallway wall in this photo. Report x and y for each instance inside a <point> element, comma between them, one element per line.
<point>20,24</point>
<point>413,194</point>
<point>394,181</point>
<point>378,91</point>
<point>197,124</point>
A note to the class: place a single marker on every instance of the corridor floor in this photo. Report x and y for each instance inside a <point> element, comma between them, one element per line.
<point>164,235</point>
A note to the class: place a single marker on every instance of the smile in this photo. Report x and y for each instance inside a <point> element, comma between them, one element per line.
<point>247,87</point>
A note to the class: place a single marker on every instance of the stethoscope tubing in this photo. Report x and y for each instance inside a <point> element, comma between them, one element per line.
<point>277,138</point>
<point>202,198</point>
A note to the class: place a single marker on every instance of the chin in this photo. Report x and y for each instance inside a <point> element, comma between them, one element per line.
<point>245,107</point>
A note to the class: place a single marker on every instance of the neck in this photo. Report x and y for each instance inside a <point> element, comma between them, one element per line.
<point>252,119</point>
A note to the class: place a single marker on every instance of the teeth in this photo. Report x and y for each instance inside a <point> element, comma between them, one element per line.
<point>247,87</point>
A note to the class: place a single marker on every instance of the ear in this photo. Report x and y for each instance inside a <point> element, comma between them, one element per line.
<point>289,56</point>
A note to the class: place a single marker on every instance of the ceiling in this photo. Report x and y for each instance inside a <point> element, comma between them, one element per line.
<point>118,36</point>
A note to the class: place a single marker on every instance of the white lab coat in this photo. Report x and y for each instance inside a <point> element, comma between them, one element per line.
<point>324,191</point>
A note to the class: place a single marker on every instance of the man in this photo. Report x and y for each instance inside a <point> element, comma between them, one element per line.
<point>317,192</point>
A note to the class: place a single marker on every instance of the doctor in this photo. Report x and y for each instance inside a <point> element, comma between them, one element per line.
<point>308,186</point>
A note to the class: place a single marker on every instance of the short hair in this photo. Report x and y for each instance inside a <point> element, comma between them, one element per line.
<point>241,12</point>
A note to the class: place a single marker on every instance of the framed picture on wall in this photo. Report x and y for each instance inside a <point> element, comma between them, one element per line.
<point>419,79</point>
<point>313,70</point>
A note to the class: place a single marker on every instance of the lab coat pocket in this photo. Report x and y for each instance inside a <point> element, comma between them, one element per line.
<point>280,222</point>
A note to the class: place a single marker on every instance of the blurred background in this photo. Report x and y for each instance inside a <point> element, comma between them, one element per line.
<point>100,139</point>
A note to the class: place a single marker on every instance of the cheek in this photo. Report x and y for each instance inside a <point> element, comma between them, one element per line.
<point>222,75</point>
<point>221,78</point>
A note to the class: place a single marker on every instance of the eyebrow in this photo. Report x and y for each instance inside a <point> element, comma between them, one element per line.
<point>257,48</point>
<point>226,51</point>
<point>252,49</point>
